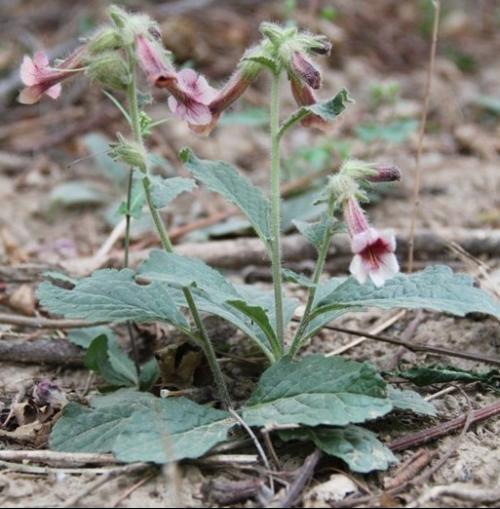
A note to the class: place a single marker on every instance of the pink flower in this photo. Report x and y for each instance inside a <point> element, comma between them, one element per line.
<point>305,70</point>
<point>373,252</point>
<point>40,78</point>
<point>191,97</point>
<point>152,62</point>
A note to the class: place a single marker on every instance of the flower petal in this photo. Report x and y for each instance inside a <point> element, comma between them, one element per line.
<point>198,114</point>
<point>28,71</point>
<point>55,91</point>
<point>30,95</point>
<point>358,269</point>
<point>40,59</point>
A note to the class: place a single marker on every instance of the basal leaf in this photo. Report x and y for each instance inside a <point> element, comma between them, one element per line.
<point>436,288</point>
<point>222,178</point>
<point>358,447</point>
<point>111,295</point>
<point>317,390</point>
<point>140,427</point>
<point>84,337</point>
<point>165,190</point>
<point>108,360</point>
<point>410,400</point>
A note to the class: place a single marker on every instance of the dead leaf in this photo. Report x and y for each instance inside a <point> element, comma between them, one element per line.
<point>335,489</point>
<point>23,300</point>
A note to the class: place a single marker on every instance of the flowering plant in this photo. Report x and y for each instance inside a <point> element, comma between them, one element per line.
<point>321,398</point>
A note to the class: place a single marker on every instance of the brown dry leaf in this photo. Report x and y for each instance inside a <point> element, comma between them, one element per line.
<point>13,252</point>
<point>25,434</point>
<point>178,364</point>
<point>23,300</point>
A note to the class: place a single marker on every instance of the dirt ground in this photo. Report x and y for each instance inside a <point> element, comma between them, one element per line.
<point>373,48</point>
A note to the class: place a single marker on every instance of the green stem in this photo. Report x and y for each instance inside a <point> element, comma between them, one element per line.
<point>167,244</point>
<point>275,210</point>
<point>318,269</point>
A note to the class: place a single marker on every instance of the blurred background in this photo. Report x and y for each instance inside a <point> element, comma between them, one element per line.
<point>59,204</point>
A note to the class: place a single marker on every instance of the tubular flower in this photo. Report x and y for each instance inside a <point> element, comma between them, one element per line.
<point>304,96</point>
<point>374,256</point>
<point>191,97</point>
<point>305,70</point>
<point>40,78</point>
<point>151,58</point>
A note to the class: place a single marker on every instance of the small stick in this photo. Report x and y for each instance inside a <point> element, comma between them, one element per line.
<point>427,435</point>
<point>62,459</point>
<point>93,486</point>
<point>134,487</point>
<point>423,122</point>
<point>375,330</point>
<point>303,476</point>
<point>417,347</point>
<point>38,322</point>
<point>409,469</point>
<point>406,336</point>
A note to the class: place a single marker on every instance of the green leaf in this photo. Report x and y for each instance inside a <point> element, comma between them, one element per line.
<point>315,232</point>
<point>327,110</point>
<point>108,360</point>
<point>184,271</point>
<point>111,295</point>
<point>437,374</point>
<point>317,390</point>
<point>396,131</point>
<point>222,178</point>
<point>165,190</point>
<point>436,288</point>
<point>150,372</point>
<point>84,337</point>
<point>358,447</point>
<point>410,400</point>
<point>140,427</point>
<point>299,279</point>
<point>76,193</point>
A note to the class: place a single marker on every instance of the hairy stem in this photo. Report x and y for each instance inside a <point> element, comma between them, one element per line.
<point>318,269</point>
<point>275,211</point>
<point>167,244</point>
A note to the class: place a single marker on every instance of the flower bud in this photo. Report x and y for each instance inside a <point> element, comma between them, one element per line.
<point>385,173</point>
<point>110,70</point>
<point>305,70</point>
<point>131,25</point>
<point>272,31</point>
<point>129,152</point>
<point>361,170</point>
<point>106,39</point>
<point>321,45</point>
<point>304,96</point>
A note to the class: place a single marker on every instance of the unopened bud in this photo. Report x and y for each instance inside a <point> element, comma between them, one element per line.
<point>385,173</point>
<point>110,70</point>
<point>129,152</point>
<point>320,45</point>
<point>105,40</point>
<point>361,170</point>
<point>272,31</point>
<point>305,70</point>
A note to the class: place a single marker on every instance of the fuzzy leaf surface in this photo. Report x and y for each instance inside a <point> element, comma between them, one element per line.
<point>165,190</point>
<point>140,427</point>
<point>111,295</point>
<point>358,447</point>
<point>436,288</point>
<point>317,390</point>
<point>222,178</point>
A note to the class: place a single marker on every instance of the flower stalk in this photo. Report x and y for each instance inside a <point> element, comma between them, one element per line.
<point>275,209</point>
<point>203,338</point>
